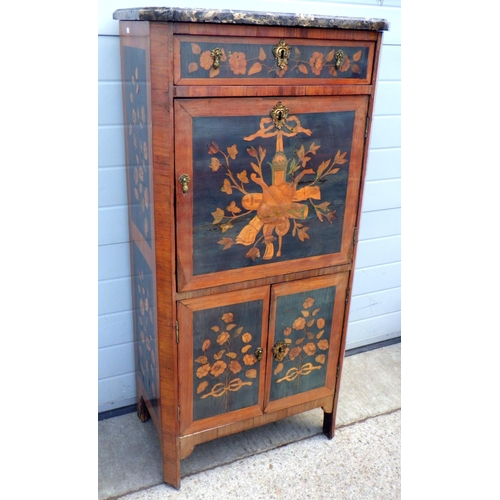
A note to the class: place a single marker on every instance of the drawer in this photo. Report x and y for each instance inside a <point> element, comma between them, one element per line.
<point>257,61</point>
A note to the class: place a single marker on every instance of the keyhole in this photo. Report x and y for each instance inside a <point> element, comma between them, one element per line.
<point>279,115</point>
<point>282,54</point>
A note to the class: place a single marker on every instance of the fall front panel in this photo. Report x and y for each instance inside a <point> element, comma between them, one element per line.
<point>267,194</point>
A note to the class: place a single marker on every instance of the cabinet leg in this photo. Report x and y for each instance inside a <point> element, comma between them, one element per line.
<point>328,427</point>
<point>142,410</point>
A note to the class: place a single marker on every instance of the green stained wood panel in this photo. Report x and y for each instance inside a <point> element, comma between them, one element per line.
<point>303,324</point>
<point>226,371</point>
<point>145,320</point>
<point>256,61</point>
<point>137,135</point>
<point>267,198</point>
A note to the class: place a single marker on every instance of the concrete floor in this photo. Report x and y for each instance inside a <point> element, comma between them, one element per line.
<point>289,459</point>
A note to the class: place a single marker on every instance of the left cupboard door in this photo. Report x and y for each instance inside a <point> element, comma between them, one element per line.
<point>222,349</point>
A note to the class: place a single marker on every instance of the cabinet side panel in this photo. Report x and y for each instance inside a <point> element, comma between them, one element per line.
<point>134,43</point>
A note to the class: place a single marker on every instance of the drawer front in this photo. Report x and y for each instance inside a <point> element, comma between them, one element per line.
<point>257,61</point>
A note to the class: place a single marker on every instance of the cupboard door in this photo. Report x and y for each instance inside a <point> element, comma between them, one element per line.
<point>221,375</point>
<point>273,185</point>
<point>306,323</point>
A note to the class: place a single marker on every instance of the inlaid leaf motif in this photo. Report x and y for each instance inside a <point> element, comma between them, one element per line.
<point>231,355</point>
<point>218,215</point>
<point>201,359</point>
<point>232,151</point>
<point>303,69</point>
<point>320,334</point>
<point>246,348</point>
<point>201,387</point>
<point>357,56</point>
<point>262,54</point>
<point>320,358</point>
<point>242,176</point>
<point>226,187</point>
<point>329,56</point>
<point>195,48</point>
<point>279,367</point>
<point>226,243</point>
<point>256,68</point>
<point>219,355</point>
<point>192,67</point>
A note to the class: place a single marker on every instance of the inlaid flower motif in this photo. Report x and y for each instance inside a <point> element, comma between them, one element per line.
<point>218,368</point>
<point>203,371</point>
<point>238,63</point>
<point>222,337</point>
<point>317,62</point>
<point>246,337</point>
<point>206,60</point>
<point>235,366</point>
<point>227,317</point>
<point>299,324</point>
<point>249,359</point>
<point>310,348</point>
<point>308,303</point>
<point>323,344</point>
<point>320,322</point>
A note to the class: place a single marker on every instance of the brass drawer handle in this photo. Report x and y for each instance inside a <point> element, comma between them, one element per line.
<point>258,353</point>
<point>216,55</point>
<point>184,180</point>
<point>339,58</point>
<point>279,350</point>
<point>282,53</point>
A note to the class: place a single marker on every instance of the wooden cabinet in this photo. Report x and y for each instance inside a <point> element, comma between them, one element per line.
<point>246,142</point>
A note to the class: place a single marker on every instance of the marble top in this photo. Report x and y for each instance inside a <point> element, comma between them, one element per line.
<point>221,16</point>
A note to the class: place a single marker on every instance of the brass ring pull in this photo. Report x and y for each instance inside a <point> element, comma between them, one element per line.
<point>339,58</point>
<point>184,180</point>
<point>258,353</point>
<point>282,53</point>
<point>279,350</point>
<point>216,55</point>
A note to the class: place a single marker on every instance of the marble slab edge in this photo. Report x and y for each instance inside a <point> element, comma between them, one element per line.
<point>220,16</point>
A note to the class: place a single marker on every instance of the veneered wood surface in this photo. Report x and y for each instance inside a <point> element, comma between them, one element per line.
<point>222,303</point>
<point>263,70</point>
<point>174,279</point>
<point>163,138</point>
<point>334,336</point>
<point>186,111</point>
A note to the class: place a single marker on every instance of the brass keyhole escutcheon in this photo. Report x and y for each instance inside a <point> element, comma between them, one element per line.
<point>279,350</point>
<point>184,179</point>
<point>216,56</point>
<point>281,52</point>
<point>339,58</point>
<point>258,353</point>
<point>279,114</point>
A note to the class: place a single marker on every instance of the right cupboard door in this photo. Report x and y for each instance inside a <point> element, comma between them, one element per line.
<point>305,331</point>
